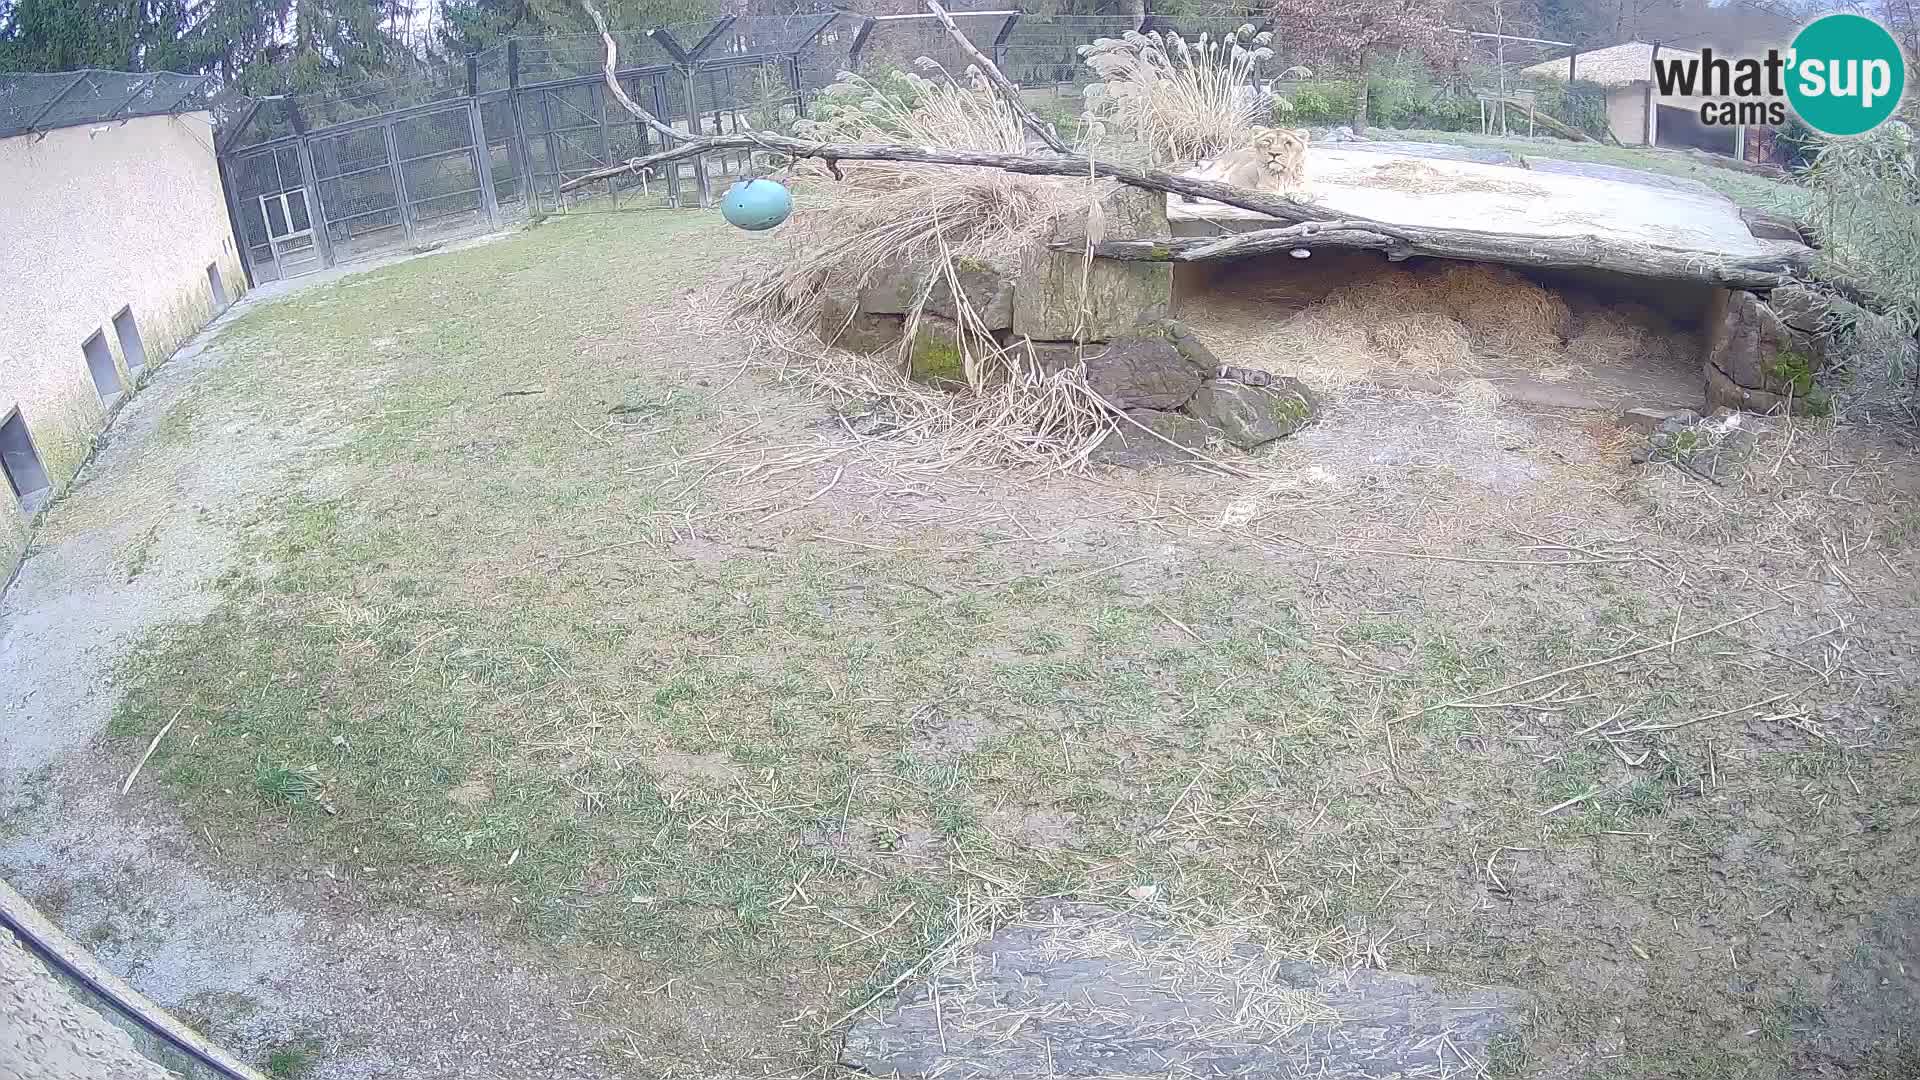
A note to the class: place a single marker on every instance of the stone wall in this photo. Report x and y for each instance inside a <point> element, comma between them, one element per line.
<point>1765,355</point>
<point>1171,398</point>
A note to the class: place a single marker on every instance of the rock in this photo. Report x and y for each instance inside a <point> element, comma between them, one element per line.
<point>1140,373</point>
<point>1081,990</point>
<point>1245,376</point>
<point>842,323</point>
<point>1804,310</point>
<point>1755,362</point>
<point>1248,416</point>
<point>935,356</point>
<point>1050,357</point>
<point>988,291</point>
<point>1120,296</point>
<point>1132,448</point>
<point>893,288</point>
<point>1767,226</point>
<point>1191,348</point>
<point>1648,420</point>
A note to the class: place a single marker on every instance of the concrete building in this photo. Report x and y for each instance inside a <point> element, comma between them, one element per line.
<point>1636,114</point>
<point>115,248</point>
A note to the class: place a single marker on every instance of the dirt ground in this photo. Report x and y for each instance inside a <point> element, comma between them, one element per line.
<point>554,692</point>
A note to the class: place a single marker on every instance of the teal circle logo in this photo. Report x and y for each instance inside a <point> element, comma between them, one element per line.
<point>1847,74</point>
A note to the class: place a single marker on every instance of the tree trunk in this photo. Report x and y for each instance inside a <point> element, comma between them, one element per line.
<point>1611,254</point>
<point>1360,96</point>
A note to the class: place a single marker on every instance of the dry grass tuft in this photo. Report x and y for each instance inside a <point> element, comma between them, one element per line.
<point>1184,101</point>
<point>885,214</point>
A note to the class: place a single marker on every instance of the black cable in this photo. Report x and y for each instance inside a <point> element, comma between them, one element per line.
<point>49,956</point>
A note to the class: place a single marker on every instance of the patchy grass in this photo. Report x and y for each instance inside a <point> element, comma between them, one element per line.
<point>292,1060</point>
<point>563,630</point>
<point>1747,189</point>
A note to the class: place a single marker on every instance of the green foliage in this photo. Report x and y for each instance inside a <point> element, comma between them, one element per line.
<point>473,25</point>
<point>1393,101</point>
<point>881,101</point>
<point>768,96</point>
<point>1319,101</point>
<point>1866,209</point>
<point>1580,104</point>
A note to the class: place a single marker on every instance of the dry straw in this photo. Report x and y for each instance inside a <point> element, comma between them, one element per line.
<point>880,216</point>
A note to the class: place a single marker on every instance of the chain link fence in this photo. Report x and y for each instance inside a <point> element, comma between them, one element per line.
<point>456,149</point>
<point>35,103</point>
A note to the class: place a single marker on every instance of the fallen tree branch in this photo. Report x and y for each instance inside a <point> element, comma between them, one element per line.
<point>613,83</point>
<point>1313,226</point>
<point>1009,92</point>
<point>1276,206</point>
<point>1544,252</point>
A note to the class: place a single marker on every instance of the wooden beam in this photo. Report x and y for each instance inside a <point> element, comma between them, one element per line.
<point>1398,241</point>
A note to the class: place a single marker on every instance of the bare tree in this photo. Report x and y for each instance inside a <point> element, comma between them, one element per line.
<point>1356,31</point>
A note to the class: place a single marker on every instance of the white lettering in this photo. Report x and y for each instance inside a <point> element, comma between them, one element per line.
<point>1843,77</point>
<point>1813,77</point>
<point>1879,80</point>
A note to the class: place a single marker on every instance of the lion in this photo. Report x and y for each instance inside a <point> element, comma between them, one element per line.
<point>1274,161</point>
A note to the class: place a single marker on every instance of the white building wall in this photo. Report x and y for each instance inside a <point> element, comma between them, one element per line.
<point>94,219</point>
<point>1627,113</point>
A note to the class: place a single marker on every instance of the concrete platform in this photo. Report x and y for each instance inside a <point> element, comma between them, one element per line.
<point>1394,183</point>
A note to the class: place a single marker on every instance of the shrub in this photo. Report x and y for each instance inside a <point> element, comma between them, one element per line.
<point>1320,101</point>
<point>1183,101</point>
<point>1866,210</point>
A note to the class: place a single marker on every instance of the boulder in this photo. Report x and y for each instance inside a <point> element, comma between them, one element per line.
<point>1248,416</point>
<point>1050,357</point>
<point>988,291</point>
<point>1766,226</point>
<point>1140,373</point>
<point>935,357</point>
<point>1648,420</point>
<point>1130,447</point>
<point>1119,296</point>
<point>893,288</point>
<point>1191,348</point>
<point>1084,990</point>
<point>842,323</point>
<point>1755,361</point>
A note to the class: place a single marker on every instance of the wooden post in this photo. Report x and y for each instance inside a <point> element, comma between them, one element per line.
<point>1653,114</point>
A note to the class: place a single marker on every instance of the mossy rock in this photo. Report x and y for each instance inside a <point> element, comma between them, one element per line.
<point>935,357</point>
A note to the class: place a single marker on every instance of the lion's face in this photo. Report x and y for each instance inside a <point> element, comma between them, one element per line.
<point>1280,146</point>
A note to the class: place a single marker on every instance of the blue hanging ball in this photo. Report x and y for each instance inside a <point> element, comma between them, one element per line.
<point>757,205</point>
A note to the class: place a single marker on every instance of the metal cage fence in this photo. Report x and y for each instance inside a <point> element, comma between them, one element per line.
<point>34,102</point>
